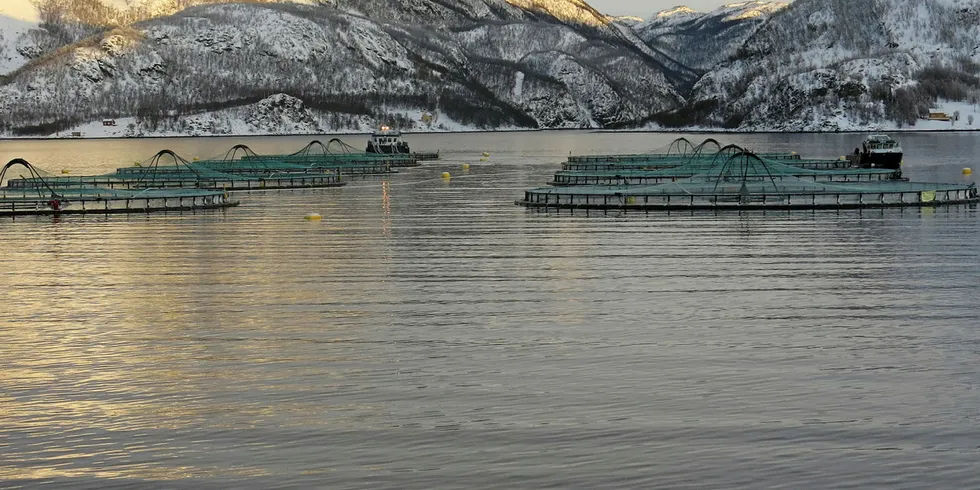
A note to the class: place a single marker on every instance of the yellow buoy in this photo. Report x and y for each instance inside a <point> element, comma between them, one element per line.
<point>466,166</point>
<point>137,164</point>
<point>486,154</point>
<point>446,175</point>
<point>197,159</point>
<point>967,170</point>
<point>842,158</point>
<point>65,171</point>
<point>313,217</point>
<point>483,159</point>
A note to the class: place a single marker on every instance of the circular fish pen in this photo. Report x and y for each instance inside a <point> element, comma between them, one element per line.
<point>680,149</point>
<point>344,158</point>
<point>45,199</point>
<point>241,160</point>
<point>746,181</point>
<point>702,167</point>
<point>168,170</point>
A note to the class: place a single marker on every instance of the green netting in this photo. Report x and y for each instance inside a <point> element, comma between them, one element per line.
<point>697,166</point>
<point>241,160</point>
<point>34,194</point>
<point>681,149</point>
<point>317,154</point>
<point>167,169</point>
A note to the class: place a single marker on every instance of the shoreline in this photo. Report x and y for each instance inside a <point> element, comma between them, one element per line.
<point>527,130</point>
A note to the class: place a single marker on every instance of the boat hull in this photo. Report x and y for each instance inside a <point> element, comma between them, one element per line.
<point>890,160</point>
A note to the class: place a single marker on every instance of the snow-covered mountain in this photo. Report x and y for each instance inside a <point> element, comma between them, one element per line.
<point>507,68</point>
<point>701,40</point>
<point>328,65</point>
<point>847,64</point>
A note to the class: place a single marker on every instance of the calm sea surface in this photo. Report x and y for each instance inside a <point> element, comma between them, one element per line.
<point>431,334</point>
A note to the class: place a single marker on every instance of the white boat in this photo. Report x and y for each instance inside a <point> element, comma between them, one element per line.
<point>387,140</point>
<point>879,151</point>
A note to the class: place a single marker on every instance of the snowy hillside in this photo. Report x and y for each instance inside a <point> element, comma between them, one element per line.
<point>12,32</point>
<point>454,13</point>
<point>17,18</point>
<point>343,67</point>
<point>701,40</point>
<point>847,64</point>
<point>266,67</point>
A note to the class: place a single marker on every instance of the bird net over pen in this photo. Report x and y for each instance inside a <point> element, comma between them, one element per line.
<point>337,152</point>
<point>167,169</point>
<point>33,194</point>
<point>679,149</point>
<point>702,167</point>
<point>241,160</point>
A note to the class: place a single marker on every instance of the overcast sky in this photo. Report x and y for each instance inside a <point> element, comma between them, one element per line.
<point>646,8</point>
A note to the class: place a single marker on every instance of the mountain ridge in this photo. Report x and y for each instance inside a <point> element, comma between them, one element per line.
<point>843,65</point>
<point>486,73</point>
<point>484,64</point>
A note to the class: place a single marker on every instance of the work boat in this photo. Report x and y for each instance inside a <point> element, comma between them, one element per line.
<point>879,151</point>
<point>387,140</point>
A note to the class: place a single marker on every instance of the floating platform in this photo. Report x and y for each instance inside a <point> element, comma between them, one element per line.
<point>754,195</point>
<point>47,200</point>
<point>738,183</point>
<point>158,172</point>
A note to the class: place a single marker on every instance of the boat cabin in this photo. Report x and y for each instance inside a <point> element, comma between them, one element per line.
<point>387,140</point>
<point>880,151</point>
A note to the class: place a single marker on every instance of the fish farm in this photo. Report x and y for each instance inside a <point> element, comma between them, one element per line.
<point>44,199</point>
<point>159,172</point>
<point>167,181</point>
<point>735,178</point>
<point>706,152</point>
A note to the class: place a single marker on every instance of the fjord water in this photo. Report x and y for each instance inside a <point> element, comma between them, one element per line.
<point>431,334</point>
